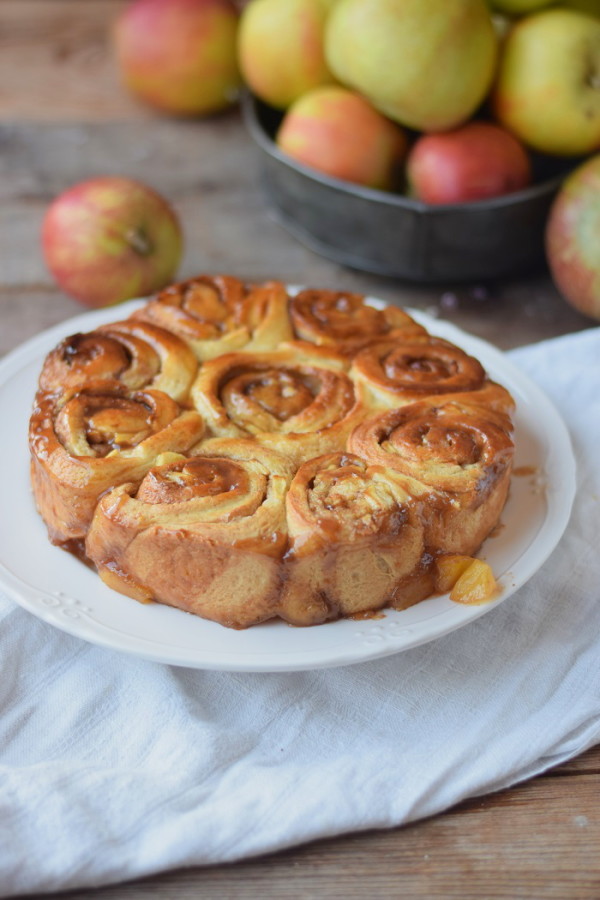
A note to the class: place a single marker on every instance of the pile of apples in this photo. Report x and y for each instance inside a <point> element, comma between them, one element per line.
<point>384,93</point>
<point>443,99</point>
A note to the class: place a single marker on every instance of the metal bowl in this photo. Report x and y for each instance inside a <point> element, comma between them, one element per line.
<point>390,234</point>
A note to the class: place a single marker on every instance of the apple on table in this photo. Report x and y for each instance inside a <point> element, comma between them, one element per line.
<point>573,238</point>
<point>110,239</point>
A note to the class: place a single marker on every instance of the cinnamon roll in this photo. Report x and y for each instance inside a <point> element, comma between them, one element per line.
<point>136,355</point>
<point>356,540</point>
<point>391,373</point>
<point>300,405</point>
<point>97,438</point>
<point>220,314</point>
<point>241,455</point>
<point>205,534</point>
<point>343,321</point>
<point>462,454</point>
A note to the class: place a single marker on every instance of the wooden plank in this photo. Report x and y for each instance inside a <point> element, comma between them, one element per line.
<point>538,840</point>
<point>56,62</point>
<point>588,763</point>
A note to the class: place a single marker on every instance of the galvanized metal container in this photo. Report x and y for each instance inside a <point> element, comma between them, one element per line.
<point>391,234</point>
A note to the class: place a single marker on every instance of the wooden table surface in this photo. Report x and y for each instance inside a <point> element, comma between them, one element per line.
<point>64,117</point>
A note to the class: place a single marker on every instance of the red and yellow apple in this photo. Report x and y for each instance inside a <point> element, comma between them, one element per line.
<point>110,239</point>
<point>280,48</point>
<point>427,64</point>
<point>180,55</point>
<point>573,238</point>
<point>339,133</point>
<point>548,85</point>
<point>474,162</point>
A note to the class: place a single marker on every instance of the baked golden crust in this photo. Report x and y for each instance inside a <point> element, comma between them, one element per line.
<point>99,437</point>
<point>220,314</point>
<point>204,533</point>
<point>344,322</point>
<point>296,402</point>
<point>243,455</point>
<point>356,537</point>
<point>461,454</point>
<point>391,373</point>
<point>135,355</point>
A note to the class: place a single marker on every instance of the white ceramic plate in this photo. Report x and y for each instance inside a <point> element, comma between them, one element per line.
<point>59,589</point>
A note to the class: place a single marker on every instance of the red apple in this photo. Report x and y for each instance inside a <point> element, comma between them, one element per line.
<point>573,238</point>
<point>180,55</point>
<point>110,239</point>
<point>474,162</point>
<point>338,132</point>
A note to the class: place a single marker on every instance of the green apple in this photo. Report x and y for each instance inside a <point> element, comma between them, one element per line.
<point>573,238</point>
<point>110,239</point>
<point>547,90</point>
<point>427,65</point>
<point>280,48</point>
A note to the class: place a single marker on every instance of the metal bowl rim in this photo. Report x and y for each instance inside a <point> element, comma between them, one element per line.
<point>264,141</point>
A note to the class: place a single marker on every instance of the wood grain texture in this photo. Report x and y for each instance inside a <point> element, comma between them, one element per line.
<point>63,118</point>
<point>56,62</point>
<point>208,170</point>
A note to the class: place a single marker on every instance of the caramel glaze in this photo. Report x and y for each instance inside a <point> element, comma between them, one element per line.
<point>343,320</point>
<point>339,518</point>
<point>343,450</point>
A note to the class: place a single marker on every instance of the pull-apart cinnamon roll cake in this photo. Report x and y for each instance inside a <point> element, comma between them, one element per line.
<point>244,455</point>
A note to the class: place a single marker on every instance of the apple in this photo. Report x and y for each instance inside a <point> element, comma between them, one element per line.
<point>547,90</point>
<point>281,51</point>
<point>476,161</point>
<point>110,239</point>
<point>180,55</point>
<point>573,238</point>
<point>427,65</point>
<point>338,132</point>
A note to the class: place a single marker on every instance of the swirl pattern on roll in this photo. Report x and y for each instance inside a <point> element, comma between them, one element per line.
<point>356,539</point>
<point>394,372</point>
<point>300,405</point>
<point>96,438</point>
<point>136,355</point>
<point>345,322</point>
<point>217,517</point>
<point>462,453</point>
<point>220,314</point>
<point>244,455</point>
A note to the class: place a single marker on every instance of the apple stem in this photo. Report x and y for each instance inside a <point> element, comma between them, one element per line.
<point>138,241</point>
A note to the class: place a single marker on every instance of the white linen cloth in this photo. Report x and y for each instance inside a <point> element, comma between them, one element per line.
<point>113,768</point>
